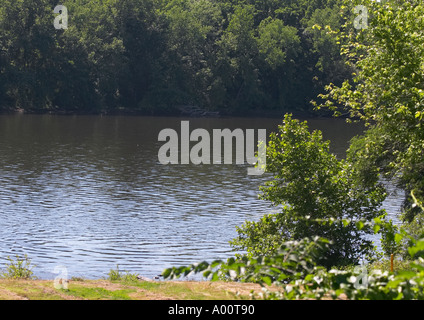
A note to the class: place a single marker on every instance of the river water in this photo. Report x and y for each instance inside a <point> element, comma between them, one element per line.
<point>88,193</point>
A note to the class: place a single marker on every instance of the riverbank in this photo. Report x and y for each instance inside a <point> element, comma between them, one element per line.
<point>180,111</point>
<point>81,289</point>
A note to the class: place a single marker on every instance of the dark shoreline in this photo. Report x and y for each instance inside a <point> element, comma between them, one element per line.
<point>136,113</point>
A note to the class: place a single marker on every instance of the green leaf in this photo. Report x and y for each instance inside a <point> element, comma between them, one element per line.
<point>267,280</point>
<point>398,238</point>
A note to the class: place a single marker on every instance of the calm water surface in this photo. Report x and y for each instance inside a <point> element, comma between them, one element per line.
<point>88,193</point>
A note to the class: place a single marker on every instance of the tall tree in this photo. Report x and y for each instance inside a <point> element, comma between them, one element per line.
<point>237,66</point>
<point>142,31</point>
<point>314,194</point>
<point>387,93</point>
<point>27,42</point>
<point>192,31</point>
<point>279,47</point>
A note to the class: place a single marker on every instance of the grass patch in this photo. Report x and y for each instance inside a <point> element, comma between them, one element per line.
<point>97,293</point>
<point>123,290</point>
<point>28,290</point>
<point>188,290</point>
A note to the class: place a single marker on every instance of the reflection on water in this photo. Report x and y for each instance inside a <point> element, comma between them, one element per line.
<point>88,193</point>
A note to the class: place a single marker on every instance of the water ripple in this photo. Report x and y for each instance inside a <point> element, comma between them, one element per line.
<point>73,192</point>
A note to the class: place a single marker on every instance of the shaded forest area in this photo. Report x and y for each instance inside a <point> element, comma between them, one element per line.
<point>152,56</point>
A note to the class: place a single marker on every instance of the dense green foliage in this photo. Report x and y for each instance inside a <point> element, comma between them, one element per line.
<point>311,185</point>
<point>387,93</point>
<point>292,260</point>
<point>295,275</point>
<point>154,55</point>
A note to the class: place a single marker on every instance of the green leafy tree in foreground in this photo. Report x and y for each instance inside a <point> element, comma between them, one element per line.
<point>311,185</point>
<point>387,93</point>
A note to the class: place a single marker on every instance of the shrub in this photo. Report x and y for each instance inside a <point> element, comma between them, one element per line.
<point>20,268</point>
<point>294,275</point>
<point>117,275</point>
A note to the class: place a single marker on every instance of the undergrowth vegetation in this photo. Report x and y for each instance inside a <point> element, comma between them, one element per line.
<point>18,268</point>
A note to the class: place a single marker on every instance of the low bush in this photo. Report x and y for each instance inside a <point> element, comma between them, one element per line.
<point>20,268</point>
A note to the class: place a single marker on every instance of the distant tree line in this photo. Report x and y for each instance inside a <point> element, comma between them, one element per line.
<point>151,56</point>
